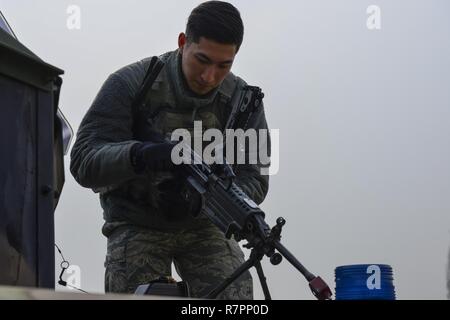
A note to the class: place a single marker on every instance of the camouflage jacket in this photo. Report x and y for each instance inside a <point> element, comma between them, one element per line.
<point>100,157</point>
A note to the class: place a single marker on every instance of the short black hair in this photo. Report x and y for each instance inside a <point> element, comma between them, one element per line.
<point>216,20</point>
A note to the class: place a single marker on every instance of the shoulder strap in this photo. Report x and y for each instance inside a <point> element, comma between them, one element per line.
<point>152,73</point>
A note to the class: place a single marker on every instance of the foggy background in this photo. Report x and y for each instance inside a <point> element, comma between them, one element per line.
<point>364,120</point>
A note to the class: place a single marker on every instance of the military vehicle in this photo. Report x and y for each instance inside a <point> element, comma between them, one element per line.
<point>34,136</point>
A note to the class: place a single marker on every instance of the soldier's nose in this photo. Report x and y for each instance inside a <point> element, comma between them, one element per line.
<point>208,75</point>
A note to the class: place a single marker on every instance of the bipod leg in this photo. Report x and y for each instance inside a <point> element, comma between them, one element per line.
<point>262,279</point>
<point>244,267</point>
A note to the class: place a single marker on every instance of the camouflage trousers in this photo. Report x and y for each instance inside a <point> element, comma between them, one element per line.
<point>203,258</point>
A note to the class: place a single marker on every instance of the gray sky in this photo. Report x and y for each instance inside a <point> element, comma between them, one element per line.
<point>364,119</point>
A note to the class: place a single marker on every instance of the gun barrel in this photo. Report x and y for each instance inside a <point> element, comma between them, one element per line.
<point>290,257</point>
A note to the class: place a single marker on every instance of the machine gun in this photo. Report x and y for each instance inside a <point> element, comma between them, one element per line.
<point>230,209</point>
<point>235,214</point>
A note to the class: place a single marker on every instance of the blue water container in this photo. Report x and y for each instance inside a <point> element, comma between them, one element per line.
<point>365,282</point>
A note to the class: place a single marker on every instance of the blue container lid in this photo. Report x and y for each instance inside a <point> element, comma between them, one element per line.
<point>363,266</point>
<point>353,282</point>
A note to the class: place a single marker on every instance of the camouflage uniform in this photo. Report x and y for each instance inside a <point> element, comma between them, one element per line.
<point>202,257</point>
<point>145,221</point>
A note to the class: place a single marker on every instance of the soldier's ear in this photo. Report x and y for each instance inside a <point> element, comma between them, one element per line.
<point>181,41</point>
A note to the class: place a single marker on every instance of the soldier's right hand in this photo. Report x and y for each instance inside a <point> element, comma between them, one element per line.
<point>153,156</point>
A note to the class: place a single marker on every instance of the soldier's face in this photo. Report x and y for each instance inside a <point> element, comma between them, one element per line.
<point>205,64</point>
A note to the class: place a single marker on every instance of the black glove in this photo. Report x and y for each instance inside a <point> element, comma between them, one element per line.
<point>152,156</point>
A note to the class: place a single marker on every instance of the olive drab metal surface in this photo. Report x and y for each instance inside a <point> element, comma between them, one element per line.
<point>31,163</point>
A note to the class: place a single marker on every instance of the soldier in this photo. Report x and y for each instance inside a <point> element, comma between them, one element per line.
<point>147,223</point>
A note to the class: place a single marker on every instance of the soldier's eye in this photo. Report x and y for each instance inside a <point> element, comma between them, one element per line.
<point>201,60</point>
